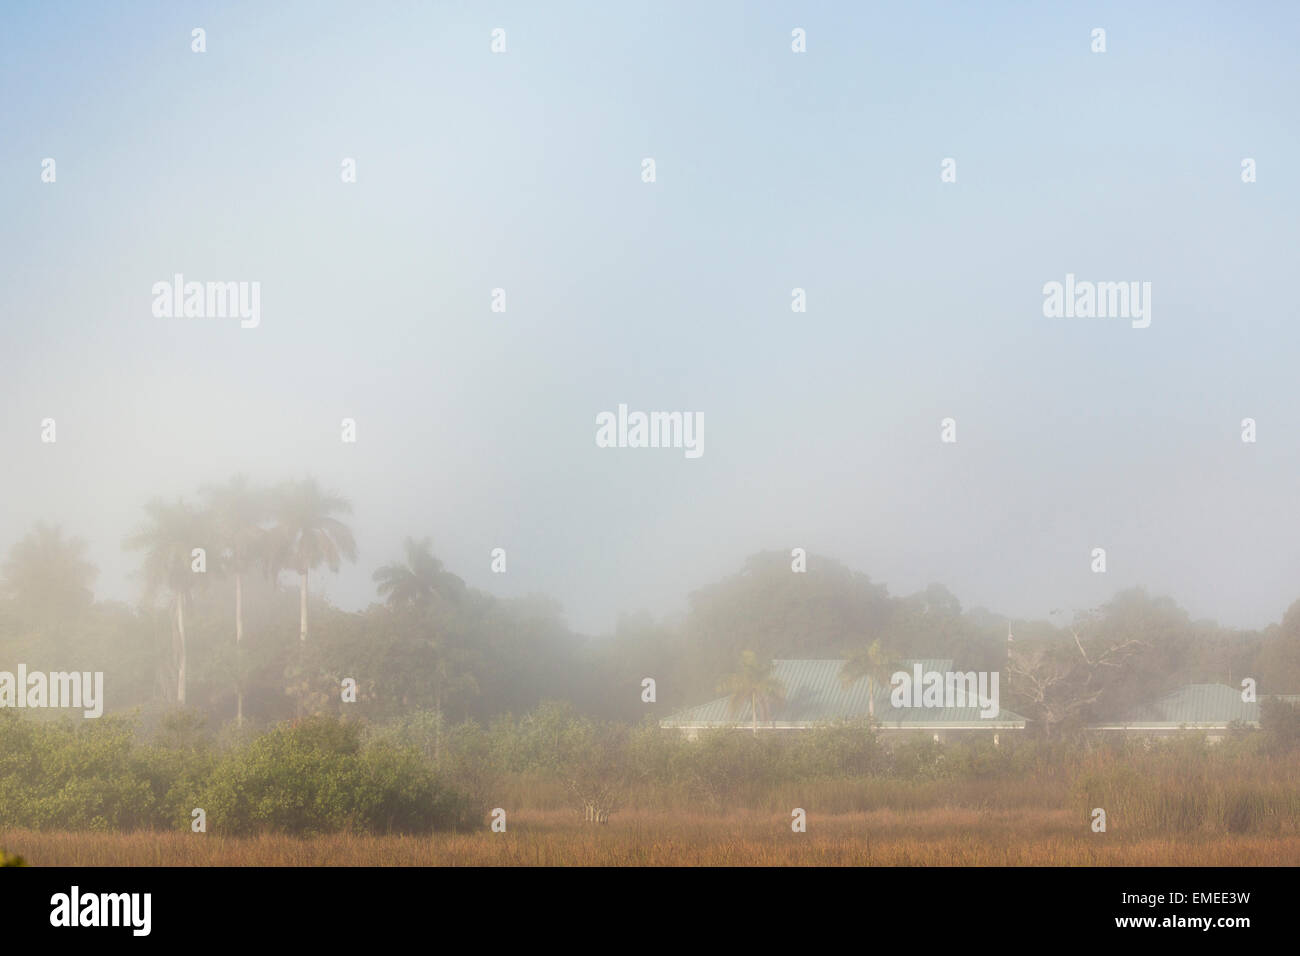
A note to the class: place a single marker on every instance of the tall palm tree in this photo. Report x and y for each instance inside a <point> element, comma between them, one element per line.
<point>238,511</point>
<point>752,684</point>
<point>168,539</point>
<point>413,589</point>
<point>871,662</point>
<point>414,583</point>
<point>48,574</point>
<point>308,535</point>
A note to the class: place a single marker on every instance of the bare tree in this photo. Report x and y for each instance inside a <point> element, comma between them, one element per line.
<point>1055,683</point>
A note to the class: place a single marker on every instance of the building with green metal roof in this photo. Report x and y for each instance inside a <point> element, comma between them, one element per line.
<point>1209,709</point>
<point>816,694</point>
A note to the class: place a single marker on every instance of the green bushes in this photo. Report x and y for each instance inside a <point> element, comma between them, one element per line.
<point>842,749</point>
<point>315,777</point>
<point>84,775</point>
<point>311,777</point>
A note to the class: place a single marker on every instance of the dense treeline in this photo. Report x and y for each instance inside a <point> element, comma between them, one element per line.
<point>228,625</point>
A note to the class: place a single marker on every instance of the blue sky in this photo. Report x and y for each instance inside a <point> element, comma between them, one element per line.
<point>775,170</point>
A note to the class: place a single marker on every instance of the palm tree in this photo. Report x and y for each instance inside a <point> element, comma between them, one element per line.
<point>238,511</point>
<point>871,662</point>
<point>308,535</point>
<point>752,684</point>
<point>168,539</point>
<point>412,589</point>
<point>48,575</point>
<point>415,583</point>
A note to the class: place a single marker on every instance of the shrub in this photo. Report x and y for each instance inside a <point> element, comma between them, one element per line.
<point>314,777</point>
<point>73,775</point>
<point>1280,723</point>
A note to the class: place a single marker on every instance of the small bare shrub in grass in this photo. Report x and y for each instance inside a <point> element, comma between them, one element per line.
<point>593,766</point>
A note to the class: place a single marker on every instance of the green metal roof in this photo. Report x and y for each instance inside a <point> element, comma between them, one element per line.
<point>815,693</point>
<point>1213,704</point>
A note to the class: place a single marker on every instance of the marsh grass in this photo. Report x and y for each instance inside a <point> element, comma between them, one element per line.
<point>940,837</point>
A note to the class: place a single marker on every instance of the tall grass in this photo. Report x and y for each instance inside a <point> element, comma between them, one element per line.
<point>944,837</point>
<point>1182,790</point>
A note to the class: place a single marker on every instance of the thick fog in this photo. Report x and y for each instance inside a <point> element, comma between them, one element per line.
<point>523,171</point>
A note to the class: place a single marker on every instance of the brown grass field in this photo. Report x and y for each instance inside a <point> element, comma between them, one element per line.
<point>929,837</point>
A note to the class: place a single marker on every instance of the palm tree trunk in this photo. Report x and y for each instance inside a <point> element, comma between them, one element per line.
<point>180,665</point>
<point>302,627</point>
<point>871,699</point>
<point>239,639</point>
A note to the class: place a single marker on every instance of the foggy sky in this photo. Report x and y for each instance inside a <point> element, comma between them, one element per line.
<point>774,171</point>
